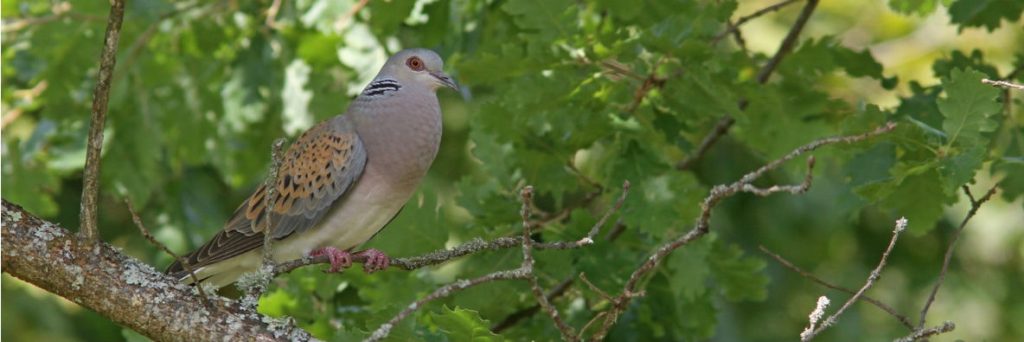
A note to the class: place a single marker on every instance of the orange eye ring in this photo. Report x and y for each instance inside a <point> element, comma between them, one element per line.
<point>415,63</point>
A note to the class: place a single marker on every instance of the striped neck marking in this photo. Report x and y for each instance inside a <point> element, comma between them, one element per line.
<point>381,87</point>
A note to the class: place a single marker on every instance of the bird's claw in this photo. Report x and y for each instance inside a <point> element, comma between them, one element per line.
<point>340,260</point>
<point>375,260</point>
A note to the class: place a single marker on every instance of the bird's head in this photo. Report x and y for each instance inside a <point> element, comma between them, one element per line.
<point>419,66</point>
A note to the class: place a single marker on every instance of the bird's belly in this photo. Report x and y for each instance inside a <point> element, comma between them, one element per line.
<point>361,214</point>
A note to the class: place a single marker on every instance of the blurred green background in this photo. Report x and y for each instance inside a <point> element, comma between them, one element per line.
<point>549,99</point>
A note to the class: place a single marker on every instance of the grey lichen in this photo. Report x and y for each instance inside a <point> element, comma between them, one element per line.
<point>76,271</point>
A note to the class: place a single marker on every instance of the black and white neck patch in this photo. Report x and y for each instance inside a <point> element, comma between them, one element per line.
<point>381,87</point>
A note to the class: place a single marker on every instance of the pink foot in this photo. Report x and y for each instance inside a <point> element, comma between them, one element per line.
<point>375,260</point>
<point>340,259</point>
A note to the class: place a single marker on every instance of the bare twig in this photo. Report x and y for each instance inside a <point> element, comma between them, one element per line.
<point>1003,84</point>
<point>517,316</point>
<point>473,246</point>
<point>701,226</point>
<point>975,205</point>
<point>347,18</point>
<point>918,334</point>
<point>60,10</point>
<point>815,316</point>
<point>525,272</point>
<point>101,94</point>
<point>721,128</point>
<point>441,292</point>
<point>786,263</point>
<point>184,263</point>
<point>788,42</point>
<point>275,7</point>
<point>568,334</point>
<point>733,27</point>
<point>26,95</point>
<point>901,225</point>
<point>257,283</point>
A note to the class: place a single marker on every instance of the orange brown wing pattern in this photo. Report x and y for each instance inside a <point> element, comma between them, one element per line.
<point>316,171</point>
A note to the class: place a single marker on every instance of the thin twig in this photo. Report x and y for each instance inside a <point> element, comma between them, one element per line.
<point>788,42</point>
<point>568,334</point>
<point>918,334</point>
<point>701,226</point>
<point>720,129</point>
<point>975,205</point>
<point>184,263</point>
<point>475,245</point>
<point>1003,84</point>
<point>347,18</point>
<point>59,11</point>
<point>101,94</point>
<point>733,27</point>
<point>275,7</point>
<point>260,281</point>
<point>901,225</point>
<point>522,273</point>
<point>517,316</point>
<point>441,292</point>
<point>786,263</point>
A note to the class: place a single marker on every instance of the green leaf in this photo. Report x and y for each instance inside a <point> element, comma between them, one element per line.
<point>690,269</point>
<point>916,7</point>
<point>920,199</point>
<point>463,325</point>
<point>545,18</point>
<point>984,13</point>
<point>968,106</point>
<point>387,16</point>
<point>737,276</point>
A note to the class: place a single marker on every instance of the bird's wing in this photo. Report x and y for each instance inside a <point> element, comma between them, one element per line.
<point>316,171</point>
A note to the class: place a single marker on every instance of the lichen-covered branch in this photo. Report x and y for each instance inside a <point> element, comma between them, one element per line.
<point>919,334</point>
<point>125,290</point>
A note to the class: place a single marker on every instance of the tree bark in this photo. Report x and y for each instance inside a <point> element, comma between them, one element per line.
<point>129,292</point>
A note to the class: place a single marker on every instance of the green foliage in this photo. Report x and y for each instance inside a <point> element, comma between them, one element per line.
<point>460,324</point>
<point>571,97</point>
<point>985,13</point>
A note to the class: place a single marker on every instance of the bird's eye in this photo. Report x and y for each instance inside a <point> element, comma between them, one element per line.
<point>415,63</point>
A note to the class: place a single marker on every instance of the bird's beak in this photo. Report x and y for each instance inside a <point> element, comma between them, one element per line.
<point>445,80</point>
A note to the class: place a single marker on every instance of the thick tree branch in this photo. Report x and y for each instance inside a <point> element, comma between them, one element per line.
<point>127,291</point>
<point>101,94</point>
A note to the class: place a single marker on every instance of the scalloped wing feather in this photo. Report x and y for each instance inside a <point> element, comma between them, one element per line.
<point>316,172</point>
